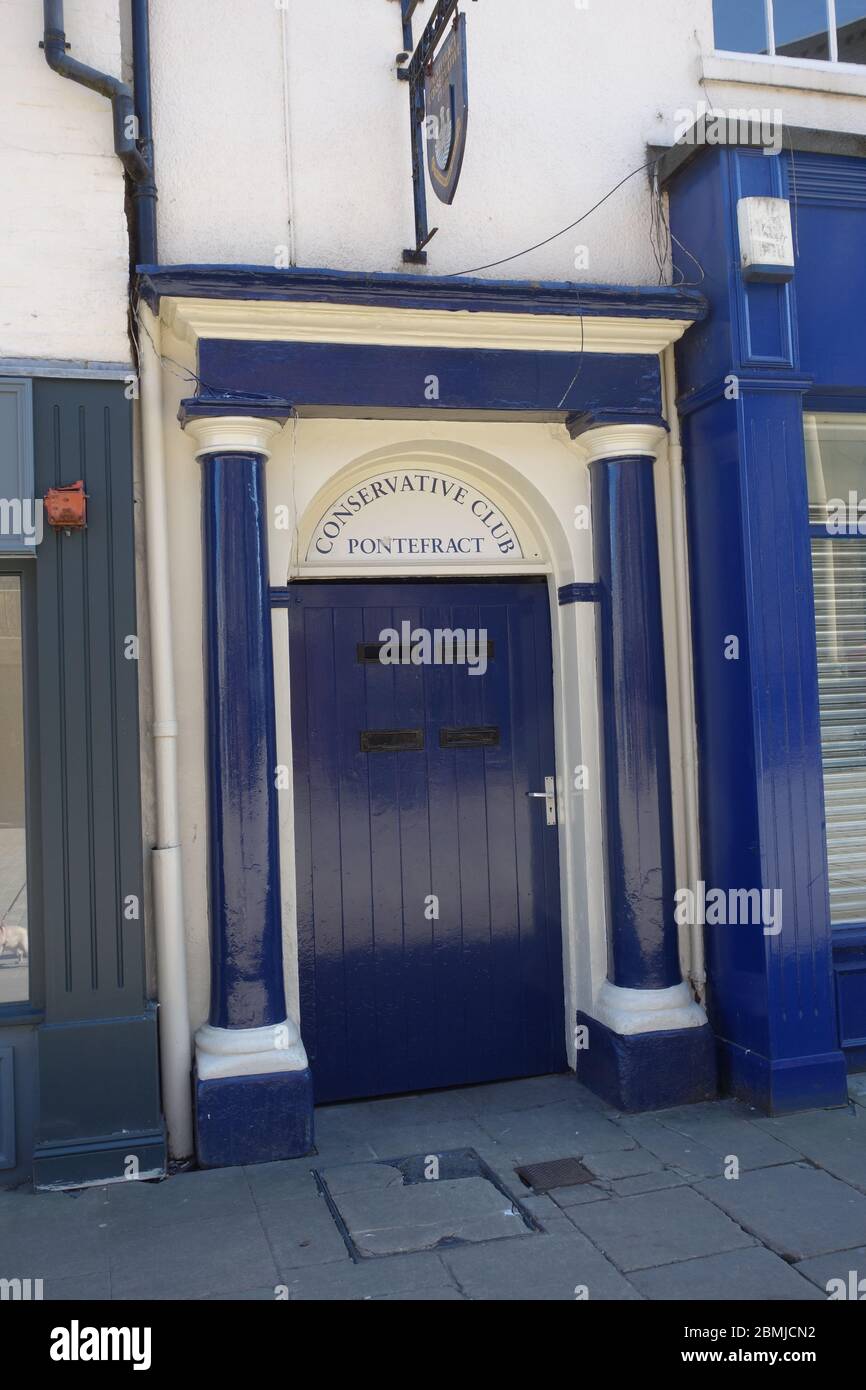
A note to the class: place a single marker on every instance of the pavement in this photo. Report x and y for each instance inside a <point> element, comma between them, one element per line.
<point>416,1198</point>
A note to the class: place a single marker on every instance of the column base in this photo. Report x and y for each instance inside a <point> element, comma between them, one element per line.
<point>781,1086</point>
<point>253,1119</point>
<point>648,1071</point>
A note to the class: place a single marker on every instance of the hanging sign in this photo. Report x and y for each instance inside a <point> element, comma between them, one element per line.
<point>446,103</point>
<point>417,516</point>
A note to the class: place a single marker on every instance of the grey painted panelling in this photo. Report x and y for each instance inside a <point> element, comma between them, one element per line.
<point>88,709</point>
<point>7,1107</point>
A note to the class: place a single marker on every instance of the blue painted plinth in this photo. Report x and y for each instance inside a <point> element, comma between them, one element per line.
<point>253,1119</point>
<point>782,1085</point>
<point>648,1071</point>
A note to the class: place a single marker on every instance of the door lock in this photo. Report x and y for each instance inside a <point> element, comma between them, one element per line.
<point>548,796</point>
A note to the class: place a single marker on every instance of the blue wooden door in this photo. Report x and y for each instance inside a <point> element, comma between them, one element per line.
<point>428,881</point>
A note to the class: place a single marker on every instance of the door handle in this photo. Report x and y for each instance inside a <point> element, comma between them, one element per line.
<point>549,797</point>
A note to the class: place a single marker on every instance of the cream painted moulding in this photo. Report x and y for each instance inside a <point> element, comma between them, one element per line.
<point>621,441</point>
<point>250,320</point>
<point>232,434</point>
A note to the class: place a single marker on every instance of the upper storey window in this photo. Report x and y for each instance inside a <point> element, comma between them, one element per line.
<point>828,31</point>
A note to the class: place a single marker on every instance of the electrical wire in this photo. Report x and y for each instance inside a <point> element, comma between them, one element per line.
<point>491,265</point>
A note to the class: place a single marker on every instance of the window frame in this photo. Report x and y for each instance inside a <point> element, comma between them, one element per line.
<point>30,1010</point>
<point>786,59</point>
<point>815,409</point>
<point>21,391</point>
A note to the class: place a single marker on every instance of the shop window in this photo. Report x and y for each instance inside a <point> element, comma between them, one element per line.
<point>836,464</point>
<point>806,30</point>
<point>14,927</point>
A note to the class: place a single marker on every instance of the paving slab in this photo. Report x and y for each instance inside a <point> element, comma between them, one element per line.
<point>268,1293</point>
<point>44,1249</point>
<point>754,1274</point>
<point>407,1274</point>
<point>420,1216</point>
<point>143,1206</point>
<point>548,1267</point>
<point>542,1207</point>
<point>648,1182</point>
<point>303,1232</point>
<point>562,1130</point>
<point>674,1149</point>
<point>728,1130</point>
<point>361,1177</point>
<point>79,1288</point>
<point>214,1256</point>
<point>847,1265</point>
<point>282,1181</point>
<point>833,1139</point>
<point>442,1295</point>
<point>797,1210</point>
<point>582,1196</point>
<point>500,1097</point>
<point>431,1137</point>
<point>658,1228</point>
<point>622,1163</point>
<point>394,1112</point>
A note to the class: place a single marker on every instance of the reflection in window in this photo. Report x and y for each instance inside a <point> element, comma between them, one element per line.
<point>14,941</point>
<point>851,30</point>
<point>801,28</point>
<point>741,25</point>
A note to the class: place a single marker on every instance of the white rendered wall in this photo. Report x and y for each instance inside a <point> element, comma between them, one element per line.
<point>64,254</point>
<point>565,95</point>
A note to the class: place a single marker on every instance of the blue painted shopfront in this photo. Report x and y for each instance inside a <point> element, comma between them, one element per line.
<point>430,940</point>
<point>789,1010</point>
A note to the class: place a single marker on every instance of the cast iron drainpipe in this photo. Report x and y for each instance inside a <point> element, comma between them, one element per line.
<point>119,94</point>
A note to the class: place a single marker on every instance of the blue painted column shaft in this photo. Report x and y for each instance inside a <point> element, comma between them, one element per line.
<point>246,949</point>
<point>644,951</point>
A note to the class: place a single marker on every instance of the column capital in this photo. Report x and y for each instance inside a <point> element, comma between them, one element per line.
<point>229,422</point>
<point>609,437</point>
<point>233,434</point>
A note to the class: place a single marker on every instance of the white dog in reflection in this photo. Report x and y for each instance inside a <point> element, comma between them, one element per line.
<point>14,939</point>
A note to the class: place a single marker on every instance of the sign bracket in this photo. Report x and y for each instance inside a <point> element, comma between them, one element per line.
<point>413,72</point>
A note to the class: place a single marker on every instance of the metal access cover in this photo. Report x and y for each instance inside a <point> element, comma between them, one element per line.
<point>559,1172</point>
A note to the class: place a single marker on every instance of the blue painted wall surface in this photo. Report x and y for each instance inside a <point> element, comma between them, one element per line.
<point>376,379</point>
<point>771,996</point>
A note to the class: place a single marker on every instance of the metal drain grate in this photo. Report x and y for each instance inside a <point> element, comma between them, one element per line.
<point>559,1172</point>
